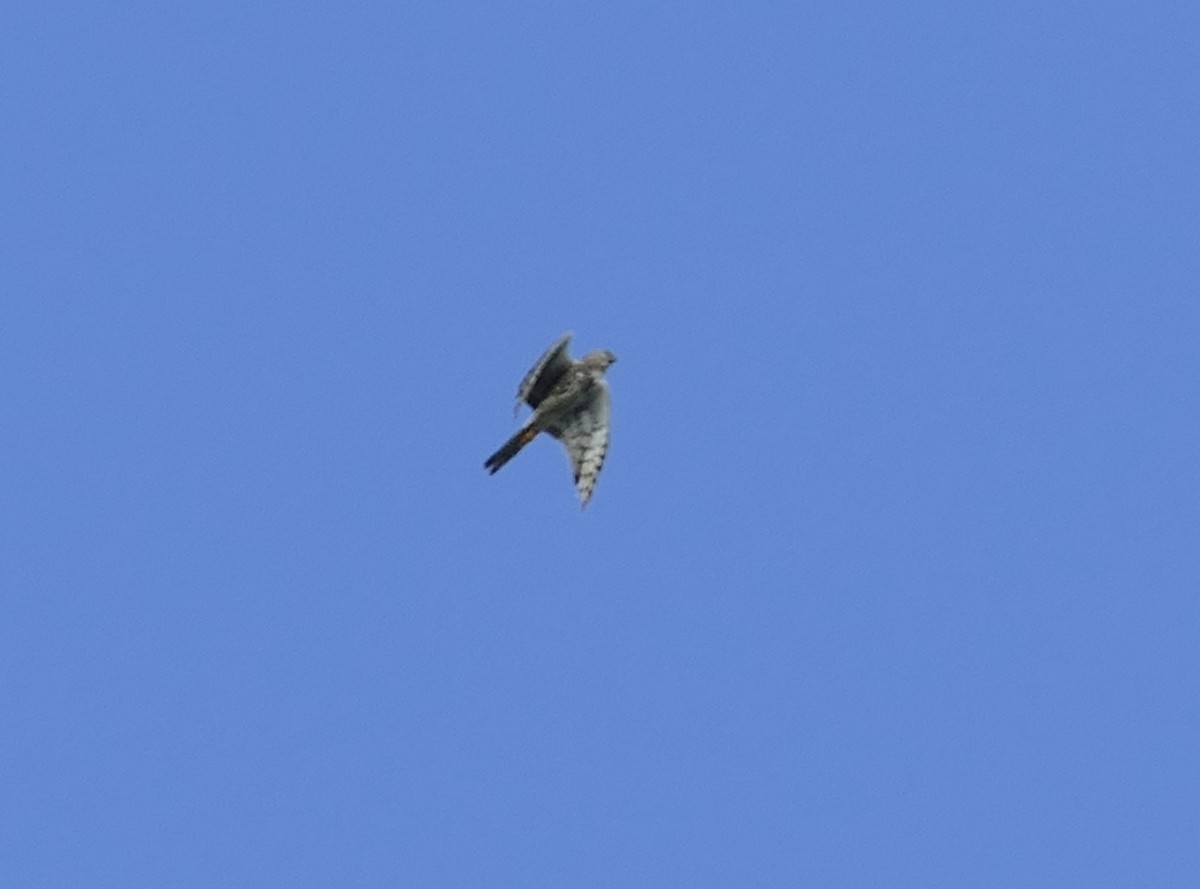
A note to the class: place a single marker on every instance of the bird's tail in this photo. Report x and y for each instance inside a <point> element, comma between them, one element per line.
<point>509,449</point>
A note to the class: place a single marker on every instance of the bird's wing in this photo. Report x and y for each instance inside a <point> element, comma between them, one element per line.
<point>585,432</point>
<point>544,374</point>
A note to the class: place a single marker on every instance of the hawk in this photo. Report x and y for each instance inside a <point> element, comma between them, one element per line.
<point>570,401</point>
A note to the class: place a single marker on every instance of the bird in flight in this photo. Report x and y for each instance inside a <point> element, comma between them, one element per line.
<point>571,402</point>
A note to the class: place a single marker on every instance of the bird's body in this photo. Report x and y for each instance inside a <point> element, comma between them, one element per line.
<point>570,401</point>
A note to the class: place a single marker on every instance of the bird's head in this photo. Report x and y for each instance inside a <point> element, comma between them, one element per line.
<point>600,359</point>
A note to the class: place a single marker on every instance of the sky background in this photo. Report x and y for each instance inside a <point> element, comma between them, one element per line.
<point>890,578</point>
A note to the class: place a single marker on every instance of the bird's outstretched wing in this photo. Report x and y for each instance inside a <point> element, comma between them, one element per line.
<point>544,374</point>
<point>585,433</point>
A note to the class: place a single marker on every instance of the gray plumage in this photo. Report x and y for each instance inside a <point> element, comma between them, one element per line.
<point>571,402</point>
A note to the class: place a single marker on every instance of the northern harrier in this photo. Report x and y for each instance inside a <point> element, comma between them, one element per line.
<point>570,401</point>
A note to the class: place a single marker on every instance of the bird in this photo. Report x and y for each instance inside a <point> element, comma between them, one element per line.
<point>571,402</point>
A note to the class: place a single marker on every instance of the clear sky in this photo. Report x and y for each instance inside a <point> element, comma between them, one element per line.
<point>890,578</point>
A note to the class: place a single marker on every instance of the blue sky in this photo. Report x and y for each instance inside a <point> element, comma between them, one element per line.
<point>890,578</point>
